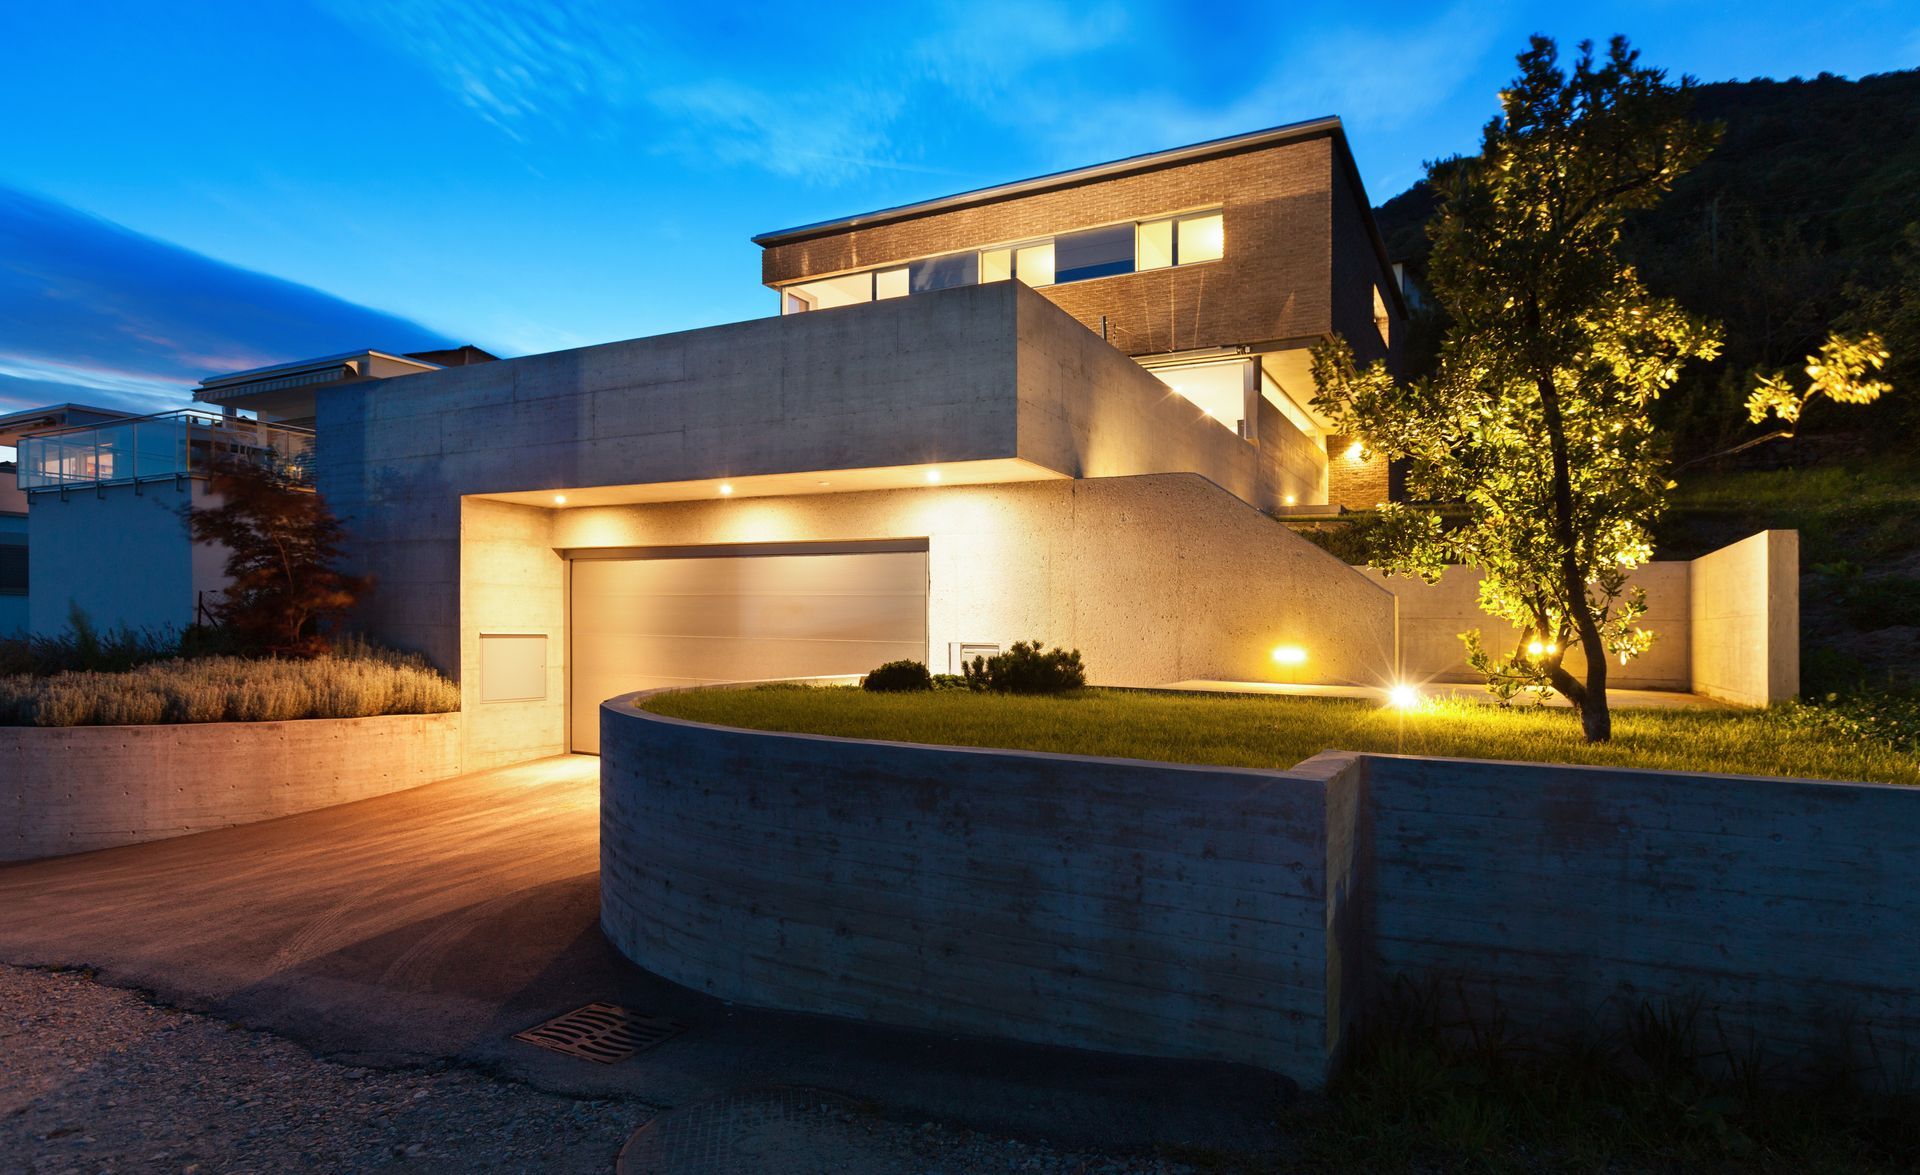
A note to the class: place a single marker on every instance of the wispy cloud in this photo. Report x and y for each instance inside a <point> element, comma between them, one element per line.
<point>96,311</point>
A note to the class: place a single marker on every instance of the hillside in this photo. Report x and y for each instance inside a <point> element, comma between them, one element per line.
<point>1795,224</point>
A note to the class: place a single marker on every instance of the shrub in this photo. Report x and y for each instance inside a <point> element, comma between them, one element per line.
<point>1027,668</point>
<point>84,648</point>
<point>1883,602</point>
<point>898,677</point>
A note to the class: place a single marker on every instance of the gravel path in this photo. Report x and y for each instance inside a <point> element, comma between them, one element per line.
<point>96,1079</point>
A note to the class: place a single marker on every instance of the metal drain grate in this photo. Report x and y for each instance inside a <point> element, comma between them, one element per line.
<point>601,1032</point>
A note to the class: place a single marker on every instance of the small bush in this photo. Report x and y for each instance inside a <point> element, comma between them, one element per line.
<point>1027,668</point>
<point>898,677</point>
<point>1883,602</point>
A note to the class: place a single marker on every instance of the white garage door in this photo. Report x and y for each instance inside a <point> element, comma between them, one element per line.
<point>698,615</point>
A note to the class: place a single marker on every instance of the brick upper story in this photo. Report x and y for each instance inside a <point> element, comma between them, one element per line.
<point>1301,259</point>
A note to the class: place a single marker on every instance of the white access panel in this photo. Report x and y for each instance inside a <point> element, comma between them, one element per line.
<point>643,623</point>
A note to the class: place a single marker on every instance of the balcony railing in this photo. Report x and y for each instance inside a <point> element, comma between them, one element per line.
<point>184,443</point>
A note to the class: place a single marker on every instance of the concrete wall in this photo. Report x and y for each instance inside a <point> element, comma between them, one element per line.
<point>1259,915</point>
<point>77,788</point>
<point>1156,579</point>
<point>122,554</point>
<point>1726,624</point>
<point>1098,903</point>
<point>1746,619</point>
<point>511,581</point>
<point>1432,617</point>
<point>1568,895</point>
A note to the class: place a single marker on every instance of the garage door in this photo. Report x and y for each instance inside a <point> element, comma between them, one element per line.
<point>690,616</point>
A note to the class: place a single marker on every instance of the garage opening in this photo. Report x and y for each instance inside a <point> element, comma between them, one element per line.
<point>643,618</point>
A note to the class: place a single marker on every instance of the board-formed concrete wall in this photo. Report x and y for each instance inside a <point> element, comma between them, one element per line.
<point>1258,915</point>
<point>72,789</point>
<point>1099,903</point>
<point>1789,909</point>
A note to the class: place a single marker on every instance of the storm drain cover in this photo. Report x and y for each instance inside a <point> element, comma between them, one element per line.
<point>601,1032</point>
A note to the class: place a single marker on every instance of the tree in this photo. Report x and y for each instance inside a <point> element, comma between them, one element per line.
<point>1536,419</point>
<point>282,543</point>
<point>1842,371</point>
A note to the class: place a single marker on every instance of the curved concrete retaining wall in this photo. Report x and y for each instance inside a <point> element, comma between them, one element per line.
<point>1100,903</point>
<point>75,788</point>
<point>1252,915</point>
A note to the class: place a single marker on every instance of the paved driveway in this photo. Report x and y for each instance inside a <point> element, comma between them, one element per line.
<point>432,924</point>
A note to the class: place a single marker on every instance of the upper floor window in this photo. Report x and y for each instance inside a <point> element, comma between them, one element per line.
<point>1067,257</point>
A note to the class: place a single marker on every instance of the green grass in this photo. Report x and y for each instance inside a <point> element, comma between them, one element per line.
<point>1272,732</point>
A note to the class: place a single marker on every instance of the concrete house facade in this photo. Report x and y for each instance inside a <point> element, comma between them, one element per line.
<point>932,451</point>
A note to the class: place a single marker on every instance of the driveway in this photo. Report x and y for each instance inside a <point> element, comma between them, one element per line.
<point>432,924</point>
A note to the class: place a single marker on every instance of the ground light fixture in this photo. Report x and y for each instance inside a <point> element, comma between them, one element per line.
<point>559,499</point>
<point>1289,655</point>
<point>726,489</point>
<point>933,476</point>
<point>1403,697</point>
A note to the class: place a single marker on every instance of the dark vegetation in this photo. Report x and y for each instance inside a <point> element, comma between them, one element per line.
<point>898,677</point>
<point>1804,219</point>
<point>1026,668</point>
<point>1431,1088</point>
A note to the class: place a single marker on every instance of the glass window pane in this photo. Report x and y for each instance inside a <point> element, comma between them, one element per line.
<point>1202,238</point>
<point>890,283</point>
<point>836,291</point>
<point>996,265</point>
<point>792,302</point>
<point>1034,264</point>
<point>944,273</point>
<point>1154,247</point>
<point>1096,252</point>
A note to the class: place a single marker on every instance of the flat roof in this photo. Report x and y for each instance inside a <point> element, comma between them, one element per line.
<point>1061,179</point>
<point>296,365</point>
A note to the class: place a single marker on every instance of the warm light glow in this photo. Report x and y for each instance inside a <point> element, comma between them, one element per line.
<point>559,499</point>
<point>1403,697</point>
<point>1289,655</point>
<point>1552,648</point>
<point>933,475</point>
<point>725,489</point>
<point>1289,499</point>
<point>1356,451</point>
<point>1535,648</point>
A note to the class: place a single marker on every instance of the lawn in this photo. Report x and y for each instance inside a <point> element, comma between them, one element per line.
<point>1279,732</point>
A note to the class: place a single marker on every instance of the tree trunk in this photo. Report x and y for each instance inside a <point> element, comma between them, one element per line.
<point>1591,699</point>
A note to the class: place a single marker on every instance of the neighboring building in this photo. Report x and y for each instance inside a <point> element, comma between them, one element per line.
<point>101,495</point>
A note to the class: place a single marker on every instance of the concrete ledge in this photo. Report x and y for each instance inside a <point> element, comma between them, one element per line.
<point>70,789</point>
<point>1111,904</point>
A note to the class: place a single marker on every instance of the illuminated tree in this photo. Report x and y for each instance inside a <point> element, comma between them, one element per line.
<point>282,543</point>
<point>1536,420</point>
<point>1844,371</point>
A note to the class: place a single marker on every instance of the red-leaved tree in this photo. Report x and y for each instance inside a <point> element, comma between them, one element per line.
<point>282,546</point>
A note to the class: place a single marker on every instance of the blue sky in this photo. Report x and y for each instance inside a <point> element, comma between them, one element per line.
<point>186,188</point>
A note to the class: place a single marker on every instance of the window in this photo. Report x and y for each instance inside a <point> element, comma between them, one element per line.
<point>1217,389</point>
<point>944,273</point>
<point>1033,264</point>
<point>1381,321</point>
<point>1180,240</point>
<point>1153,248</point>
<point>13,566</point>
<point>996,265</point>
<point>1096,252</point>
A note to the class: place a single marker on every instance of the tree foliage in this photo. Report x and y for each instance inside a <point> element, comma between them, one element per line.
<point>282,546</point>
<point>1536,417</point>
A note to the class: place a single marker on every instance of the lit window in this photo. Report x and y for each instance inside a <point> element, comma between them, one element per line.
<point>1381,322</point>
<point>829,292</point>
<point>1202,238</point>
<point>996,265</point>
<point>890,283</point>
<point>794,302</point>
<point>1154,247</point>
<point>1033,264</point>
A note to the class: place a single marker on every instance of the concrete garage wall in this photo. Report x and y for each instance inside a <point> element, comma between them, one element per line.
<point>77,788</point>
<point>1570,894</point>
<point>1726,625</point>
<point>1155,579</point>
<point>512,581</point>
<point>1098,903</point>
<point>1258,915</point>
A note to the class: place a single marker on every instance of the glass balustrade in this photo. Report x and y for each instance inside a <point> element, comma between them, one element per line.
<point>185,443</point>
